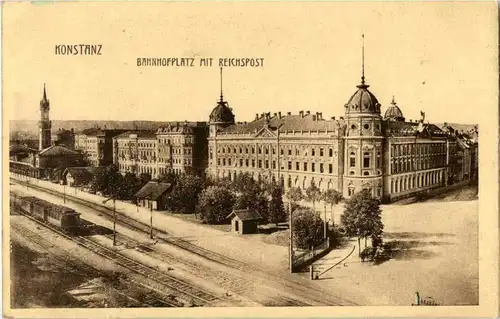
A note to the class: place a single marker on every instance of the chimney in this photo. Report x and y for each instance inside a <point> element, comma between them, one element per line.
<point>275,114</point>
<point>314,117</point>
<point>341,118</point>
<point>333,117</point>
<point>301,113</point>
<point>289,113</point>
<point>320,115</point>
<point>308,112</point>
<point>279,114</point>
<point>256,116</point>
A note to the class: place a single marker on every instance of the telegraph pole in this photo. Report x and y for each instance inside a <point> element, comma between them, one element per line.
<point>290,253</point>
<point>151,219</point>
<point>114,221</point>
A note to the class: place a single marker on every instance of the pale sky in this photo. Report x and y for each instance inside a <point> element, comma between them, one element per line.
<point>437,57</point>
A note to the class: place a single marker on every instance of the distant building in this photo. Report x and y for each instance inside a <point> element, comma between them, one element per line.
<point>57,156</point>
<point>80,176</point>
<point>97,145</point>
<point>178,148</point>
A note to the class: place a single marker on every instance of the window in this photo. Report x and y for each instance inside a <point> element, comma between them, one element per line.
<point>366,160</point>
<point>253,163</point>
<point>229,162</point>
<point>366,126</point>
<point>297,166</point>
<point>289,151</point>
<point>321,167</point>
<point>260,163</point>
<point>241,162</point>
<point>353,127</point>
<point>321,153</point>
<point>246,162</point>
<point>313,153</point>
<point>366,173</point>
<point>289,165</point>
<point>274,164</point>
<point>224,162</point>
<point>267,164</point>
<point>267,151</point>
<point>246,150</point>
<point>352,159</point>
<point>253,150</point>
<point>313,167</point>
<point>260,150</point>
<point>281,151</point>
<point>331,152</point>
<point>330,168</point>
<point>305,167</point>
<point>351,191</point>
<point>241,150</point>
<point>378,160</point>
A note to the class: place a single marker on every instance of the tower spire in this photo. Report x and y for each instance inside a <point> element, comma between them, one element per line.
<point>44,93</point>
<point>221,96</point>
<point>363,59</point>
<point>393,101</point>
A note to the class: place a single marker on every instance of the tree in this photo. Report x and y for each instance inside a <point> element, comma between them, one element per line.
<point>294,196</point>
<point>362,217</point>
<point>332,197</point>
<point>168,177</point>
<point>276,208</point>
<point>313,194</point>
<point>99,181</point>
<point>214,204</point>
<point>131,186</point>
<point>307,228</point>
<point>185,193</point>
<point>115,185</point>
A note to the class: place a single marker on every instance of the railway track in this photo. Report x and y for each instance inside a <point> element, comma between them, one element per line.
<point>154,299</point>
<point>190,293</point>
<point>319,296</point>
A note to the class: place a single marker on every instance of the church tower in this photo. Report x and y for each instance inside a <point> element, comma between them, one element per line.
<point>44,124</point>
<point>363,168</point>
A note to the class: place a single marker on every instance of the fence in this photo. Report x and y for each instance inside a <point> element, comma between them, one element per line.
<point>302,259</point>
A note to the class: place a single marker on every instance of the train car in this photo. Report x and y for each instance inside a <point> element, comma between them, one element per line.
<point>63,217</point>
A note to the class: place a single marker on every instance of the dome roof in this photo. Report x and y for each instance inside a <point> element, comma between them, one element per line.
<point>222,113</point>
<point>394,113</point>
<point>363,101</point>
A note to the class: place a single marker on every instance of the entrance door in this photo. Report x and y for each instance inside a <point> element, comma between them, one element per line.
<point>236,226</point>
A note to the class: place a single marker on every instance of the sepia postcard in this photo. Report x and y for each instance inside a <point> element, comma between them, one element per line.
<point>250,159</point>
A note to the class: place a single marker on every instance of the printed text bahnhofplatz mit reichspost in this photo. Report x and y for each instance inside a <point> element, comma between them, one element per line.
<point>201,62</point>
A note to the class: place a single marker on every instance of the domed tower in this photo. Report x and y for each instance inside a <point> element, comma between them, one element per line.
<point>363,142</point>
<point>44,125</point>
<point>221,116</point>
<point>393,113</point>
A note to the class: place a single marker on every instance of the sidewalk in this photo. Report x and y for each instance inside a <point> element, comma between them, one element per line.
<point>245,249</point>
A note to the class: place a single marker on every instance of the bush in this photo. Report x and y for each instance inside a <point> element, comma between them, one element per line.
<point>215,204</point>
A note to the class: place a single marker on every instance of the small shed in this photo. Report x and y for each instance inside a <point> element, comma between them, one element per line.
<point>153,193</point>
<point>245,221</point>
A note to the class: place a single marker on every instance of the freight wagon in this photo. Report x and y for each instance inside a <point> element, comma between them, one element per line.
<point>63,217</point>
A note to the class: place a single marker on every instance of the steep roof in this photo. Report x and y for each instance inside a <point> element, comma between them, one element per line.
<point>57,150</point>
<point>153,190</point>
<point>245,214</point>
<point>20,148</point>
<point>297,122</point>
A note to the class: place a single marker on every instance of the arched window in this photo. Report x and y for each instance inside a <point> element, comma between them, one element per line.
<point>352,159</point>
<point>366,160</point>
<point>379,162</point>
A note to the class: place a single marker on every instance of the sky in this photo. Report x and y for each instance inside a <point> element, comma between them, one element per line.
<point>440,58</point>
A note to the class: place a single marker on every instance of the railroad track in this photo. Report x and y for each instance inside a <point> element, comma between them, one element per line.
<point>154,299</point>
<point>131,223</point>
<point>191,293</point>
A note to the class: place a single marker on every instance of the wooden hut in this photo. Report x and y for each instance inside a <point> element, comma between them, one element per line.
<point>245,221</point>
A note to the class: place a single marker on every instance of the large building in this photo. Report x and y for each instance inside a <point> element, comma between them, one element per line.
<point>388,155</point>
<point>178,148</point>
<point>97,145</point>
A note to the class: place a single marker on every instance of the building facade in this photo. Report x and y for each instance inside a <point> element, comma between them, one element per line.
<point>97,145</point>
<point>391,157</point>
<point>178,148</point>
